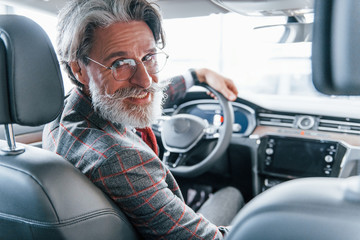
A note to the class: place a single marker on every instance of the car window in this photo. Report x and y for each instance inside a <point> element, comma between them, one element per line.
<point>46,20</point>
<point>229,44</point>
<point>266,72</point>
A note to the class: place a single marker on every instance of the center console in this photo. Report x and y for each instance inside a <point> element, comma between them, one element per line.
<point>285,158</point>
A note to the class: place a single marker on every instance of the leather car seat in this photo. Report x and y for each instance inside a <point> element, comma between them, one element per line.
<point>42,196</point>
<point>308,208</point>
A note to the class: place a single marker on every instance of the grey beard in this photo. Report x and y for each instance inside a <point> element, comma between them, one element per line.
<point>112,108</point>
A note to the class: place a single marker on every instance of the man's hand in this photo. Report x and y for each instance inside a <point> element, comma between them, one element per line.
<point>220,83</point>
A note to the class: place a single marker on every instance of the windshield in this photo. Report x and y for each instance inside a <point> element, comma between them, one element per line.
<point>228,43</point>
<point>261,68</point>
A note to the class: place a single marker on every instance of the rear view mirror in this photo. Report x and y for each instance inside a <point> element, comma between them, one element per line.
<point>287,33</point>
<point>267,7</point>
<point>336,49</point>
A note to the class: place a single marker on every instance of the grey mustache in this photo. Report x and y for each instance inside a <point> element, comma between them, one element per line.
<point>134,91</point>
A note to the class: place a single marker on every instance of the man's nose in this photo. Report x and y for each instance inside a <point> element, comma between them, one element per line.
<point>141,78</point>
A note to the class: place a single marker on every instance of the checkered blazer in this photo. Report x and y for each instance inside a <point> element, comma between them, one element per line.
<point>116,160</point>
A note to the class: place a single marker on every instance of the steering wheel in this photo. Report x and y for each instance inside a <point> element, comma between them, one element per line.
<point>181,134</point>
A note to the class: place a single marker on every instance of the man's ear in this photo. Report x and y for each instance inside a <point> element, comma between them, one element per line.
<point>79,72</point>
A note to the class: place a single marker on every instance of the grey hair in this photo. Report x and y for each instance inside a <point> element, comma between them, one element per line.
<point>78,20</point>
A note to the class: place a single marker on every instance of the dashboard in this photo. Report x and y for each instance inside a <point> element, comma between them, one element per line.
<point>286,145</point>
<point>210,110</point>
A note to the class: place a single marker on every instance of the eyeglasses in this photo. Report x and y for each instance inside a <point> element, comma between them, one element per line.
<point>124,69</point>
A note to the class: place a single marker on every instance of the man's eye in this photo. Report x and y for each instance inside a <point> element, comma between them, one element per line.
<point>123,63</point>
<point>118,63</point>
<point>148,57</point>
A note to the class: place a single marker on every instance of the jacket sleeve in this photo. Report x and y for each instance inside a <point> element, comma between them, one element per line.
<point>175,92</point>
<point>148,194</point>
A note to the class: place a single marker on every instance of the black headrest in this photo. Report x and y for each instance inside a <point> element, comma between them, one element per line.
<point>31,88</point>
<point>336,49</point>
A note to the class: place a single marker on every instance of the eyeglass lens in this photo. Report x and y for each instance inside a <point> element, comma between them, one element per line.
<point>154,64</point>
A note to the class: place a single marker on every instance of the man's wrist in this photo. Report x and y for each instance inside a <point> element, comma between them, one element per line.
<point>224,230</point>
<point>194,76</point>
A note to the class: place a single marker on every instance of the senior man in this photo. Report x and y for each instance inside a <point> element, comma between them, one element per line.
<point>111,50</point>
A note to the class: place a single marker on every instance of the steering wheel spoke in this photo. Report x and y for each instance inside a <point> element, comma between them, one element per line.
<point>171,160</point>
<point>181,133</point>
<point>211,132</point>
<point>157,125</point>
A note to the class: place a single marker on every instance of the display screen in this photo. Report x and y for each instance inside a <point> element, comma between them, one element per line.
<point>299,158</point>
<point>212,112</point>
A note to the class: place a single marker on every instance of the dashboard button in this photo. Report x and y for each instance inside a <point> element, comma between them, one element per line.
<point>269,151</point>
<point>329,159</point>
<point>236,127</point>
<point>268,161</point>
<point>306,122</point>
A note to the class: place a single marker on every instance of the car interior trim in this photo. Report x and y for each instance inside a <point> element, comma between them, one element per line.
<point>351,140</point>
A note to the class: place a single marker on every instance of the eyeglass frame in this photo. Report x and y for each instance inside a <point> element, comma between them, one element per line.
<point>133,63</point>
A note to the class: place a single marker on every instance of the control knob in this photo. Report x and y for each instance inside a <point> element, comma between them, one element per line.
<point>269,151</point>
<point>329,159</point>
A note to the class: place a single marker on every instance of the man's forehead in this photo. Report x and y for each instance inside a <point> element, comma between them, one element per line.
<point>124,37</point>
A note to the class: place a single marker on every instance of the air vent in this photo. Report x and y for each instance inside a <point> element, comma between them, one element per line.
<point>339,126</point>
<point>276,120</point>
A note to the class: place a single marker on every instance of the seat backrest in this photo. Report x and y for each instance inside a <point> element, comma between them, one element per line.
<point>42,196</point>
<point>309,208</point>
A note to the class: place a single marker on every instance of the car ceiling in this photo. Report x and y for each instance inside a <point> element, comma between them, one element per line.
<point>187,8</point>
<point>169,8</point>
